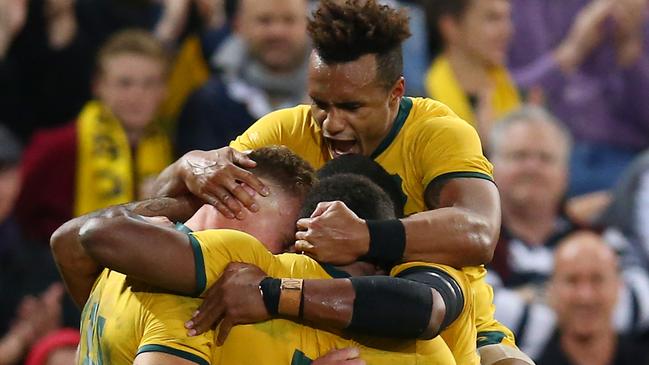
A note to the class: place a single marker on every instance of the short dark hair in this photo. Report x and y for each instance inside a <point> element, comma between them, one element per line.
<point>435,10</point>
<point>282,166</point>
<point>345,32</point>
<point>365,166</point>
<point>359,194</point>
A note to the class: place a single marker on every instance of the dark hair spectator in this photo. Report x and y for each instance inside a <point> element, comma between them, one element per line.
<point>260,67</point>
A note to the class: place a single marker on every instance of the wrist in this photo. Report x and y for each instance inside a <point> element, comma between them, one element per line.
<point>283,296</point>
<point>387,241</point>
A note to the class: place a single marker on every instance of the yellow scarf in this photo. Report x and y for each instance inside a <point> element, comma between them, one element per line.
<point>442,85</point>
<point>189,72</point>
<point>105,171</point>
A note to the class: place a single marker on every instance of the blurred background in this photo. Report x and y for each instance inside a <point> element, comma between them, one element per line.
<point>558,91</point>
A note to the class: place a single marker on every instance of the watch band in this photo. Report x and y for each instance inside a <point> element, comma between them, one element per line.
<point>290,297</point>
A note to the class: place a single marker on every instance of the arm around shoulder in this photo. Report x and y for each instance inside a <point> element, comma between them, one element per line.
<point>462,226</point>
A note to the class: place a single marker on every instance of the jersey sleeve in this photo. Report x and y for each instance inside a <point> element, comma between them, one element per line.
<point>164,329</point>
<point>264,132</point>
<point>460,336</point>
<point>214,249</point>
<point>292,127</point>
<point>449,147</point>
<point>456,274</point>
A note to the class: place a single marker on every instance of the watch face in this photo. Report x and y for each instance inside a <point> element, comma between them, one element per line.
<point>295,284</point>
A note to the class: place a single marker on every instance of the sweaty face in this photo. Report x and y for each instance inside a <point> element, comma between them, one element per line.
<point>354,110</point>
<point>133,87</point>
<point>485,30</point>
<point>584,288</point>
<point>275,31</point>
<point>530,167</point>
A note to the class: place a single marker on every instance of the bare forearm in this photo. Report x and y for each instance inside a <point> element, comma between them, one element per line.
<point>462,227</point>
<point>329,302</point>
<point>177,209</point>
<point>452,236</point>
<point>169,183</point>
<point>407,309</point>
<point>122,240</point>
<point>77,267</point>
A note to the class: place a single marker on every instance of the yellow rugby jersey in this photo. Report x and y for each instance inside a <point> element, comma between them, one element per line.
<point>460,336</point>
<point>281,341</point>
<point>427,142</point>
<point>123,318</point>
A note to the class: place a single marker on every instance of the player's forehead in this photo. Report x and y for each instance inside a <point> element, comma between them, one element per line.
<point>329,80</point>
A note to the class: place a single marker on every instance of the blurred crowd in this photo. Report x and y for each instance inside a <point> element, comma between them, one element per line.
<point>558,91</point>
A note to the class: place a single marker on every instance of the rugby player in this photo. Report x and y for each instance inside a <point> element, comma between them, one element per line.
<point>122,317</point>
<point>355,80</point>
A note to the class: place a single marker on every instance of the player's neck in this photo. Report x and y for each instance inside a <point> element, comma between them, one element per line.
<point>207,217</point>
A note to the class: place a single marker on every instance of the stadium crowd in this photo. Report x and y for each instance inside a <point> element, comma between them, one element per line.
<point>99,97</point>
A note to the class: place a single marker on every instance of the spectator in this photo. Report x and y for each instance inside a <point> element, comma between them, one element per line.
<point>470,40</point>
<point>114,148</point>
<point>590,59</point>
<point>262,67</point>
<point>584,290</point>
<point>530,154</point>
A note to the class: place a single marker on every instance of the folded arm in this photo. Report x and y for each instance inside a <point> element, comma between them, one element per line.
<point>419,303</point>
<point>84,245</point>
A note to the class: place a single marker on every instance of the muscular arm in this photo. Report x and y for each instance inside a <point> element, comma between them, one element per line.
<point>334,303</point>
<point>419,303</point>
<point>461,229</point>
<point>79,269</point>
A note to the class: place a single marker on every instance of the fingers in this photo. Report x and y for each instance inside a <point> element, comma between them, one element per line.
<point>301,236</point>
<point>303,223</point>
<point>225,197</point>
<point>344,354</point>
<point>321,208</point>
<point>244,197</point>
<point>207,314</point>
<point>251,180</point>
<point>216,203</point>
<point>224,330</point>
<point>302,245</point>
<point>242,159</point>
<point>203,320</point>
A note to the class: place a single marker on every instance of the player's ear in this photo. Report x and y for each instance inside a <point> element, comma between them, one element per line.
<point>398,90</point>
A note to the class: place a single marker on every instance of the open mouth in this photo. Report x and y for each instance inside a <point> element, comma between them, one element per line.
<point>343,147</point>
